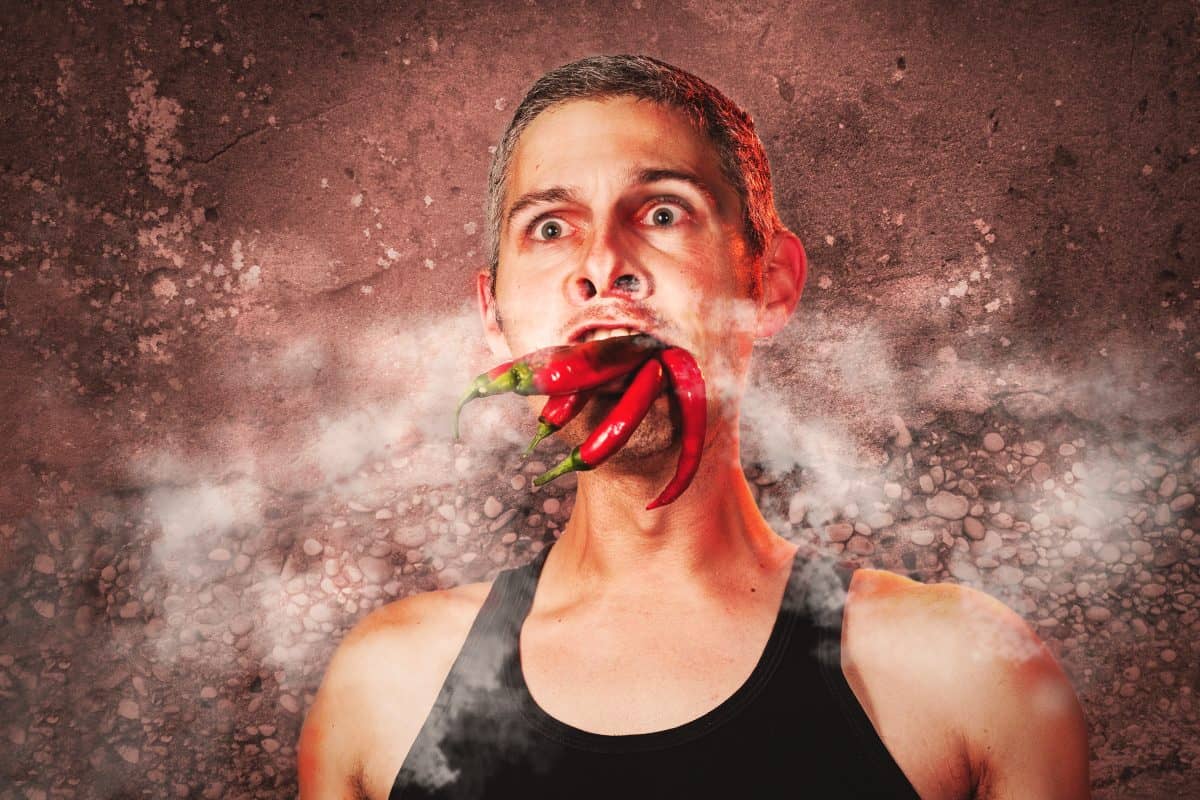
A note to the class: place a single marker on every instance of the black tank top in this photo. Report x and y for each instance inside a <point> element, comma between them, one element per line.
<point>793,729</point>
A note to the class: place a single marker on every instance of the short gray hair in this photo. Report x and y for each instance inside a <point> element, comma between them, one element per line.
<point>743,160</point>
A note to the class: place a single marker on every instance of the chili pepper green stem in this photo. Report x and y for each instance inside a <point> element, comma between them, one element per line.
<point>478,389</point>
<point>544,430</point>
<point>571,463</point>
<point>505,378</point>
<point>557,412</point>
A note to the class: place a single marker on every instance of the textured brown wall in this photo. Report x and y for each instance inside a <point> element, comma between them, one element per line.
<point>236,242</point>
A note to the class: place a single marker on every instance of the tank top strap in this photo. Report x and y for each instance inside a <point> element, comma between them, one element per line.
<point>526,578</point>
<point>829,583</point>
<point>474,684</point>
<point>496,626</point>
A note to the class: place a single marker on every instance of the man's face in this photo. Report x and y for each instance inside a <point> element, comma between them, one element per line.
<point>616,212</point>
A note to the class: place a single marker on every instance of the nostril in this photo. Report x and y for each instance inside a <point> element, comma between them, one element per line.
<point>587,288</point>
<point>627,283</point>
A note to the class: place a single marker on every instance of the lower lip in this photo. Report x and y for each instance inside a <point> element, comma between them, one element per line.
<point>635,333</point>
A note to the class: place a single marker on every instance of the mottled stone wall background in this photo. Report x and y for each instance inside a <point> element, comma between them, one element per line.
<point>236,243</point>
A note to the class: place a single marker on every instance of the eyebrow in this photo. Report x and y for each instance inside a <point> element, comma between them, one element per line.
<point>635,177</point>
<point>654,175</point>
<point>555,194</point>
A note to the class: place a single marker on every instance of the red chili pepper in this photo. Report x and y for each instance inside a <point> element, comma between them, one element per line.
<point>583,366</point>
<point>563,369</point>
<point>617,427</point>
<point>688,384</point>
<point>558,411</point>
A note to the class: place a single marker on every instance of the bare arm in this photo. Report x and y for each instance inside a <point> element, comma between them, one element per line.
<point>328,762</point>
<point>377,691</point>
<point>1028,731</point>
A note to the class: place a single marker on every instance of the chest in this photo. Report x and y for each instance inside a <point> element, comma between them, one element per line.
<point>640,673</point>
<point>619,676</point>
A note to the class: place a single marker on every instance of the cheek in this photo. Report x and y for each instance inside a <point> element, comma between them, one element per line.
<point>713,261</point>
<point>720,309</point>
<point>530,315</point>
<point>726,339</point>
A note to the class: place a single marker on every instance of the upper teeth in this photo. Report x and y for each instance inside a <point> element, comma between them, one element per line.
<point>607,333</point>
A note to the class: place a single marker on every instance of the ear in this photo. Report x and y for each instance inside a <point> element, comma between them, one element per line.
<point>490,316</point>
<point>784,270</point>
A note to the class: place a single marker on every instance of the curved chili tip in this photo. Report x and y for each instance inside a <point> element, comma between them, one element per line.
<point>688,384</point>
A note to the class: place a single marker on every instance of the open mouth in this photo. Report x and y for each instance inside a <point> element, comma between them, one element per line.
<point>596,334</point>
<point>599,331</point>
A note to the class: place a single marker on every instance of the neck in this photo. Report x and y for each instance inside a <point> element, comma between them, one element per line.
<point>711,536</point>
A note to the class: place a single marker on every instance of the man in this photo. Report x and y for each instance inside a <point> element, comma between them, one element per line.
<point>669,653</point>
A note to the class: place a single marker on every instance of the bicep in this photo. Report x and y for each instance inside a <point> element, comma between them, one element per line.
<point>325,762</point>
<point>328,763</point>
<point>373,699</point>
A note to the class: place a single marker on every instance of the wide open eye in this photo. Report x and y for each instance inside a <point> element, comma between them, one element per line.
<point>666,212</point>
<point>663,215</point>
<point>548,229</point>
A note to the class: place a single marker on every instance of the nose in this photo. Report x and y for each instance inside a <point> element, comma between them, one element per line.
<point>608,270</point>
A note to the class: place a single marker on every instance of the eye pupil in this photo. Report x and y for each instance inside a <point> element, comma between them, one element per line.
<point>663,216</point>
<point>550,230</point>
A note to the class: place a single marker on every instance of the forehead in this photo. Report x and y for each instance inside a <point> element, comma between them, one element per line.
<point>573,141</point>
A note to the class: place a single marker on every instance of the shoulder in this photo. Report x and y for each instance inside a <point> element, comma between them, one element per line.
<point>380,685</point>
<point>967,626</point>
<point>1000,686</point>
<point>424,619</point>
<point>417,632</point>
